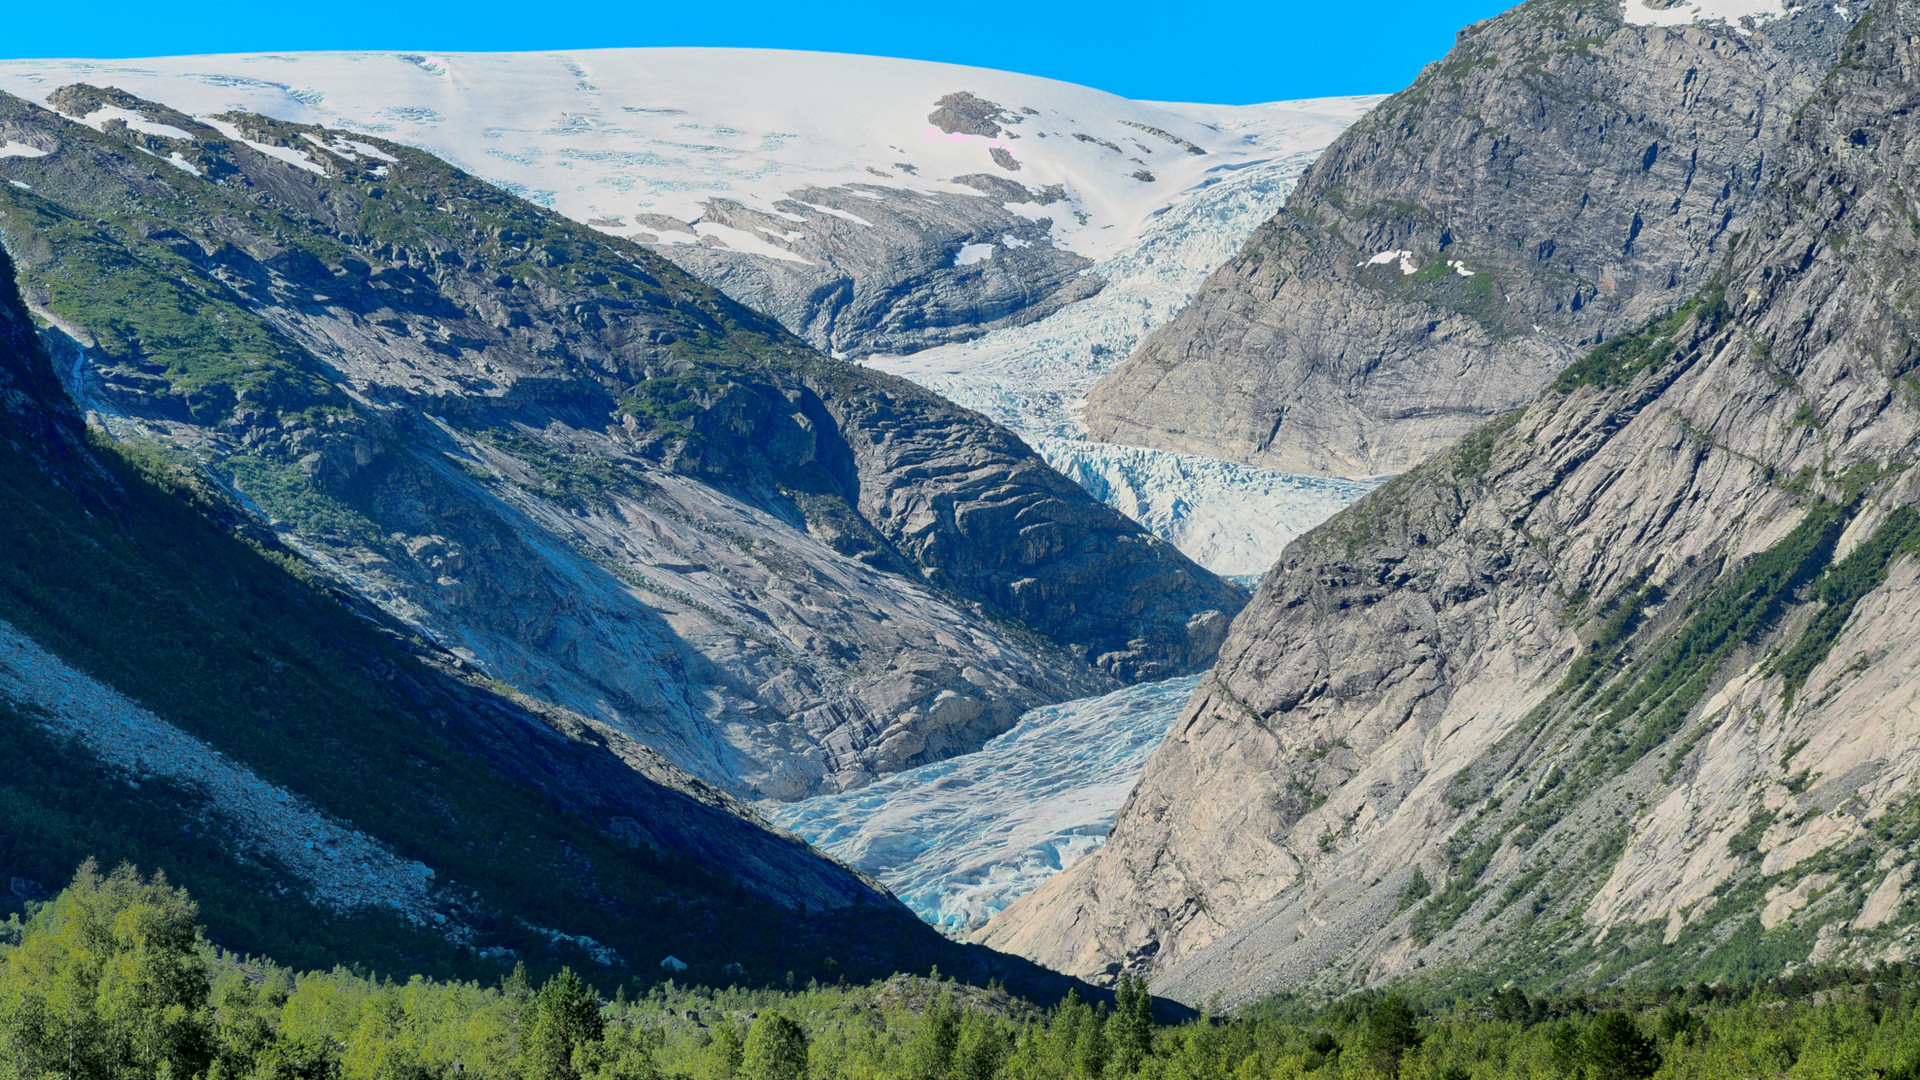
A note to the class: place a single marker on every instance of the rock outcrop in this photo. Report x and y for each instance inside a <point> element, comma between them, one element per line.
<point>1559,177</point>
<point>1621,685</point>
<point>558,455</point>
<point>885,270</point>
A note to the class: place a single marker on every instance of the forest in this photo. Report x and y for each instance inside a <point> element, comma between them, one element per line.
<point>114,978</point>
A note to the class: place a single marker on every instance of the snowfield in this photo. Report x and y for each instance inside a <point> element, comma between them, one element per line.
<point>961,839</point>
<point>615,137</point>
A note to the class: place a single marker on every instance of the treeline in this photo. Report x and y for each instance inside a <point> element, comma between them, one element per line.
<point>112,980</point>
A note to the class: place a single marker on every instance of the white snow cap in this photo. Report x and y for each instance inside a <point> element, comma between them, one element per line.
<point>608,136</point>
<point>1642,13</point>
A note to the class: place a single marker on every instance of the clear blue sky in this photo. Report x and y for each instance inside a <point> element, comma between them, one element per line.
<point>1229,51</point>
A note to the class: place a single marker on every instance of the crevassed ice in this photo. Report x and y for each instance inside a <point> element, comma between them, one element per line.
<point>1233,519</point>
<point>1230,518</point>
<point>961,839</point>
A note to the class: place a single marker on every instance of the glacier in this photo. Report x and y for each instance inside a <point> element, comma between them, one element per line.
<point>960,839</point>
<point>640,142</point>
<point>636,142</point>
<point>1232,519</point>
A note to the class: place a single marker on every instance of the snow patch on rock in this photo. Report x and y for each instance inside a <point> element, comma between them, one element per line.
<point>99,118</point>
<point>1666,13</point>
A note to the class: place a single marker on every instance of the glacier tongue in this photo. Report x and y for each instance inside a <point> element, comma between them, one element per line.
<point>1232,519</point>
<point>1033,378</point>
<point>960,839</point>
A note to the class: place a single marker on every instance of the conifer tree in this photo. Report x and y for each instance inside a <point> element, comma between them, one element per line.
<point>1390,1031</point>
<point>937,1040</point>
<point>1616,1049</point>
<point>1132,1024</point>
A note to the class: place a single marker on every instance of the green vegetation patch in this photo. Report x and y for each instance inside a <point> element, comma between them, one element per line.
<point>110,980</point>
<point>1647,705</point>
<point>1619,361</point>
<point>1842,587</point>
<point>154,310</point>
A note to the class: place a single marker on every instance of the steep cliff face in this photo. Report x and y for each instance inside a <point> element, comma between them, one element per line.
<point>174,692</point>
<point>1622,684</point>
<point>561,457</point>
<point>1560,176</point>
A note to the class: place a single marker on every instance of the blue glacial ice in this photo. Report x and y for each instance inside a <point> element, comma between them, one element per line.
<point>960,839</point>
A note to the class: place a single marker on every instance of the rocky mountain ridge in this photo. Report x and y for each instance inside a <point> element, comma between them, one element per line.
<point>1560,176</point>
<point>869,204</point>
<point>1620,686</point>
<point>560,457</point>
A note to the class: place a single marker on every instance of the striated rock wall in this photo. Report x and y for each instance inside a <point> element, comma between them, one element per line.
<point>1559,177</point>
<point>1621,685</point>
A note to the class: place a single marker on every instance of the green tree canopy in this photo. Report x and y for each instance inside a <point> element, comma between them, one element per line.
<point>776,1049</point>
<point>1391,1030</point>
<point>565,1018</point>
<point>107,982</point>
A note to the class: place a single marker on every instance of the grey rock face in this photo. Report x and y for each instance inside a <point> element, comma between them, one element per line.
<point>881,271</point>
<point>562,457</point>
<point>1584,172</point>
<point>1622,684</point>
<point>889,270</point>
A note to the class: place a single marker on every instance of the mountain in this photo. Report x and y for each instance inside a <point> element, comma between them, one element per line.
<point>1621,686</point>
<point>868,204</point>
<point>558,456</point>
<point>179,690</point>
<point>854,210</point>
<point>1567,171</point>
